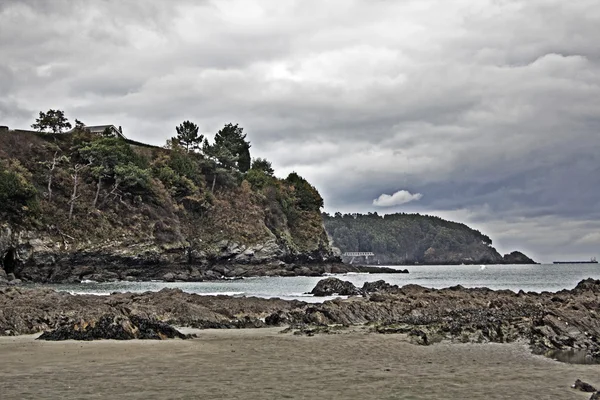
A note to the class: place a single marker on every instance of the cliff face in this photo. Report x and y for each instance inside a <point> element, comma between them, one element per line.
<point>407,239</point>
<point>74,210</point>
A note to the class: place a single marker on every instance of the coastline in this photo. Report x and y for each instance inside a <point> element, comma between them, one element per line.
<point>265,364</point>
<point>564,320</point>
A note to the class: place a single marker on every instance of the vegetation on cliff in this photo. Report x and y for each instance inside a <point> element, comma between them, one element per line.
<point>410,239</point>
<point>91,191</point>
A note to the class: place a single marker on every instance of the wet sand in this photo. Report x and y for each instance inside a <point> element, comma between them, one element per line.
<point>264,364</point>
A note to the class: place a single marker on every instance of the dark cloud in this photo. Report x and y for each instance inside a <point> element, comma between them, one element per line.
<point>488,109</point>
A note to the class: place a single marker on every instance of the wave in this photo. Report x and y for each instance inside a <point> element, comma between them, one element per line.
<point>77,292</point>
<point>233,294</point>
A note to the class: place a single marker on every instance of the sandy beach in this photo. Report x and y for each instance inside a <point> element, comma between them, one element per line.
<point>265,364</point>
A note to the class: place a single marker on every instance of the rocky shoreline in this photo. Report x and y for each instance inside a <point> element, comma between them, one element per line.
<point>117,270</point>
<point>564,320</point>
<point>41,257</point>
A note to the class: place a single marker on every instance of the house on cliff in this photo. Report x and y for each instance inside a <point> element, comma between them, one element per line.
<point>109,130</point>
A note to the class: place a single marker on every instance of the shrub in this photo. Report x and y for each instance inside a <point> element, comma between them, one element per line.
<point>17,193</point>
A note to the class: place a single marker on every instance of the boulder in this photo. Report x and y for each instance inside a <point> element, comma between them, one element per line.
<point>333,286</point>
<point>117,327</point>
<point>583,386</point>
<point>169,277</point>
<point>378,286</point>
<point>595,396</point>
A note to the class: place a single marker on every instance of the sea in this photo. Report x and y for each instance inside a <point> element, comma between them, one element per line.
<point>529,278</point>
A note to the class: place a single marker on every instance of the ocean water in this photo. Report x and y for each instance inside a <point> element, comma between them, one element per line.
<point>536,278</point>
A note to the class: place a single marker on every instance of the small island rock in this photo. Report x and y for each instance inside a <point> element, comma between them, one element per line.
<point>333,286</point>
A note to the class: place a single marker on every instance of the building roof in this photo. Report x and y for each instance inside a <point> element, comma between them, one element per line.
<point>102,128</point>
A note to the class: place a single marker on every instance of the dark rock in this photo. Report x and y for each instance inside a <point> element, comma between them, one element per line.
<point>379,286</point>
<point>117,327</point>
<point>595,396</point>
<point>419,337</point>
<point>516,257</point>
<point>371,269</point>
<point>278,318</point>
<point>583,386</point>
<point>335,286</point>
<point>10,277</point>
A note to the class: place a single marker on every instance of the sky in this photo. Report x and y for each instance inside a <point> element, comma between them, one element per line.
<point>484,112</point>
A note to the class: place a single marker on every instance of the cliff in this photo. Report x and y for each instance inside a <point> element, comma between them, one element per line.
<point>407,239</point>
<point>81,206</point>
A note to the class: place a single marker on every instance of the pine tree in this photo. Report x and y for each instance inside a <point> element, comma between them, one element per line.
<point>187,136</point>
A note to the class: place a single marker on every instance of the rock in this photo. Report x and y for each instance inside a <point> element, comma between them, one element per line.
<point>169,277</point>
<point>378,286</point>
<point>3,274</point>
<point>378,270</point>
<point>117,327</point>
<point>15,282</point>
<point>516,257</point>
<point>335,286</point>
<point>595,396</point>
<point>419,337</point>
<point>583,386</point>
<point>11,277</point>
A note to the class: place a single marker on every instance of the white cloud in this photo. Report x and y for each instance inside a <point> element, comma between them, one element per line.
<point>398,198</point>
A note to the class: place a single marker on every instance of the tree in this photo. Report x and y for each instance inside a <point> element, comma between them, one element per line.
<point>74,196</point>
<point>16,187</point>
<point>231,141</point>
<point>307,195</point>
<point>187,136</point>
<point>51,165</point>
<point>53,120</point>
<point>79,126</point>
<point>103,156</point>
<point>261,164</point>
<point>223,161</point>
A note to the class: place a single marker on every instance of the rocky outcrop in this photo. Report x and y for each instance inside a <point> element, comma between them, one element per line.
<point>379,286</point>
<point>116,327</point>
<point>335,286</point>
<point>181,224</point>
<point>516,257</point>
<point>38,256</point>
<point>564,320</point>
<point>583,386</point>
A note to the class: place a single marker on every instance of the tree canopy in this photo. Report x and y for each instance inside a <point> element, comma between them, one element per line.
<point>16,189</point>
<point>52,120</point>
<point>262,164</point>
<point>231,147</point>
<point>188,137</point>
<point>407,238</point>
<point>307,195</point>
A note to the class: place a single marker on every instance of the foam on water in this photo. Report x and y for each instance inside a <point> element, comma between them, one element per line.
<point>536,278</point>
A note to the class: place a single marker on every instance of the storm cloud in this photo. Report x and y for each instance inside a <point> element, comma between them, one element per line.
<point>489,109</point>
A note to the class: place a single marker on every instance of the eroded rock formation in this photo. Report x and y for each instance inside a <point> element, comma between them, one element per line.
<point>547,321</point>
